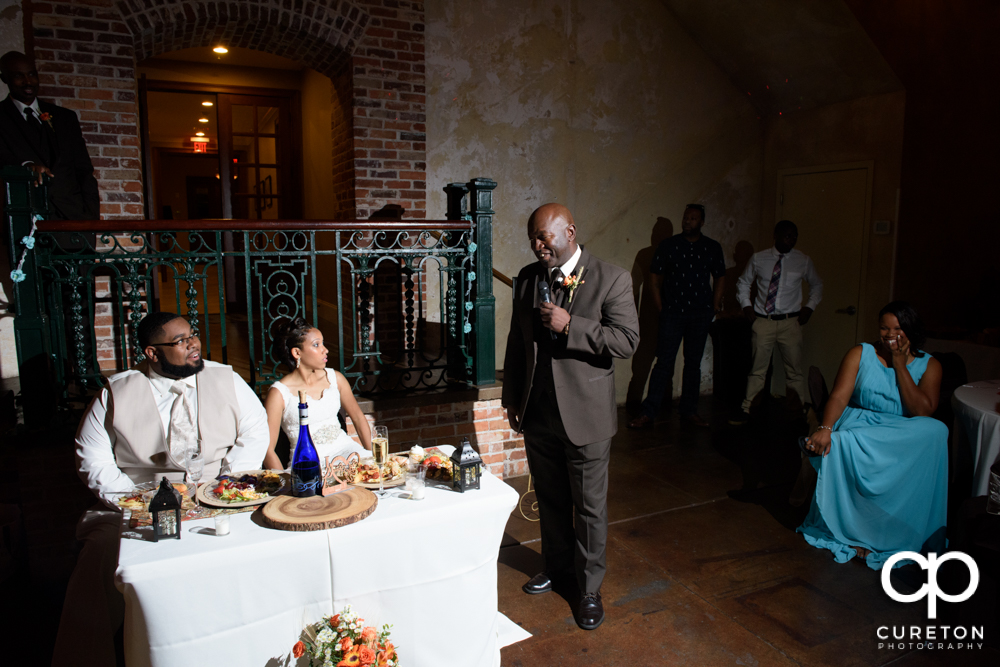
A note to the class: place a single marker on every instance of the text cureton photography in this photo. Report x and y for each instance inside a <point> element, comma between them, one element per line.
<point>931,636</point>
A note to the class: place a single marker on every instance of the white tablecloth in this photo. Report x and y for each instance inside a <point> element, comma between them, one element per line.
<point>427,567</point>
<point>977,422</point>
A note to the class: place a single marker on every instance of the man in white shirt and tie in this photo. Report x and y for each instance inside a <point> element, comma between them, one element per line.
<point>140,429</point>
<point>777,311</point>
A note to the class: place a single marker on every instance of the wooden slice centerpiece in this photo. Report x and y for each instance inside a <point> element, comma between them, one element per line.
<point>320,512</point>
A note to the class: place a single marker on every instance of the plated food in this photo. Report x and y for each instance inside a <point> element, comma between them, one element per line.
<point>347,473</point>
<point>437,464</point>
<point>242,489</point>
<point>368,473</point>
<point>138,499</point>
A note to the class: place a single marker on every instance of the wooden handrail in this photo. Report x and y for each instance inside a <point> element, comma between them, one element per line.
<point>245,225</point>
<point>502,278</point>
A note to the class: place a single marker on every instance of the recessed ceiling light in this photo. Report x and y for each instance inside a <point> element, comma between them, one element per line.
<point>202,120</point>
<point>199,134</point>
<point>221,49</point>
<point>207,104</point>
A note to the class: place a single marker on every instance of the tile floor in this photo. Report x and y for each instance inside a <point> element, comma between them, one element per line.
<point>704,566</point>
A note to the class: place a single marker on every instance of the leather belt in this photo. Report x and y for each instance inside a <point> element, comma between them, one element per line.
<point>777,318</point>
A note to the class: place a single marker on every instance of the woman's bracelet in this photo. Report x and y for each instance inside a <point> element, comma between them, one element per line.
<point>824,428</point>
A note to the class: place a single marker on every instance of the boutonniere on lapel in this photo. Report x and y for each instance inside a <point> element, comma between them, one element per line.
<point>572,281</point>
<point>46,117</point>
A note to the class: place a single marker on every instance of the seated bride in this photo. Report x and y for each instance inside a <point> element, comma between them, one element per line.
<point>300,346</point>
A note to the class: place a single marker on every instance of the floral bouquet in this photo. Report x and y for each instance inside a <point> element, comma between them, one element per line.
<point>343,640</point>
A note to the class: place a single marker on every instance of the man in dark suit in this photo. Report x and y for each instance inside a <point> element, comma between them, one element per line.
<point>559,390</point>
<point>47,139</point>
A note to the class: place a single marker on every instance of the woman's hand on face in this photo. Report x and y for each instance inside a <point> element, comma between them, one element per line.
<point>899,347</point>
<point>819,442</point>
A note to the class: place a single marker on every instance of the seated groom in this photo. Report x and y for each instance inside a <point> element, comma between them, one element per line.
<point>139,427</point>
<point>137,430</point>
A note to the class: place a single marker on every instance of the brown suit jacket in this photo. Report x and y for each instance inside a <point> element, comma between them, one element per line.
<point>604,327</point>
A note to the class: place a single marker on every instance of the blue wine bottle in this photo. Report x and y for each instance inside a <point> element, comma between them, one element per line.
<point>306,478</point>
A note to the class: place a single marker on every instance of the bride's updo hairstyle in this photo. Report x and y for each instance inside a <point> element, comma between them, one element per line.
<point>290,335</point>
<point>909,322</point>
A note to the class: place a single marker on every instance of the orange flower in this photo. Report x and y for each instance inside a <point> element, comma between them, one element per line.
<point>369,635</point>
<point>346,644</point>
<point>298,650</point>
<point>390,650</point>
<point>382,660</point>
<point>367,655</point>
<point>335,621</point>
<point>351,658</point>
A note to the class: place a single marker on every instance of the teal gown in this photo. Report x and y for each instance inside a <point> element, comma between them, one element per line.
<point>884,484</point>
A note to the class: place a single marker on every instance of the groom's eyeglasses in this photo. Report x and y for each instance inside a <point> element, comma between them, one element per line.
<point>181,342</point>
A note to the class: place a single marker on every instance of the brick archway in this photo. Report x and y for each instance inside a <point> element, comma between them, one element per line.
<point>372,49</point>
<point>320,36</point>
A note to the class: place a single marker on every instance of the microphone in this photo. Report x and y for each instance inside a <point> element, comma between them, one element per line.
<point>545,296</point>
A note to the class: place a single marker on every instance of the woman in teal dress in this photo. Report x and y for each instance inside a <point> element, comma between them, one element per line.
<point>883,461</point>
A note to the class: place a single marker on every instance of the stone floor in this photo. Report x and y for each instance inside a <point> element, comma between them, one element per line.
<point>704,566</point>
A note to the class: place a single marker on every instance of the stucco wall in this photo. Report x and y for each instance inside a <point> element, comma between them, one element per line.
<point>608,108</point>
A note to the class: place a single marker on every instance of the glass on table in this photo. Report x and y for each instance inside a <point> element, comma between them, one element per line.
<point>380,450</point>
<point>415,481</point>
<point>194,462</point>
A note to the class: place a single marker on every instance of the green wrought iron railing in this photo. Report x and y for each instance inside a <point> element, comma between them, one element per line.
<point>404,306</point>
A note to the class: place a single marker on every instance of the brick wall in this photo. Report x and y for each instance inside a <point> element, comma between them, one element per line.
<point>389,109</point>
<point>373,50</point>
<point>484,422</point>
<point>85,57</point>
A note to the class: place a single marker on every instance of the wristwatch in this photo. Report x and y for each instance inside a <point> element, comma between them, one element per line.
<point>565,331</point>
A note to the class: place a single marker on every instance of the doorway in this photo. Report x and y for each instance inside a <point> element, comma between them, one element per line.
<point>831,206</point>
<point>251,135</point>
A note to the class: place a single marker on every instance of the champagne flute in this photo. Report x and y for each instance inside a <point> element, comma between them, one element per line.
<point>380,450</point>
<point>195,464</point>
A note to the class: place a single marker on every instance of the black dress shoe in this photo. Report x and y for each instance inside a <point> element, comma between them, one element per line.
<point>538,584</point>
<point>590,611</point>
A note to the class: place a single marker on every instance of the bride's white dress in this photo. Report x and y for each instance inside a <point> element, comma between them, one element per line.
<point>324,427</point>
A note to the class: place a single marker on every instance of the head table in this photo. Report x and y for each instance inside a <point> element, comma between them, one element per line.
<point>427,567</point>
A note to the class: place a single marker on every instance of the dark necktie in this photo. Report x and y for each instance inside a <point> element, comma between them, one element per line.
<point>772,289</point>
<point>557,278</point>
<point>33,122</point>
<point>557,286</point>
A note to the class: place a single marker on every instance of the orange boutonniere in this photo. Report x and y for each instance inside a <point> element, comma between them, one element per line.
<point>572,281</point>
<point>46,117</point>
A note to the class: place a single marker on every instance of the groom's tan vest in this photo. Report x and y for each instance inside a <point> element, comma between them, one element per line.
<point>140,443</point>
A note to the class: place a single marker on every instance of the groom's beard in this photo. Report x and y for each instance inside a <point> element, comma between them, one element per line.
<point>182,371</point>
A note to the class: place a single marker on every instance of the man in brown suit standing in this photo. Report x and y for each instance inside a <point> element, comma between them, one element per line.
<point>559,390</point>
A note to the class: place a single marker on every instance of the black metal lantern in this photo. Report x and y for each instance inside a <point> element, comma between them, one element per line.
<point>165,507</point>
<point>466,467</point>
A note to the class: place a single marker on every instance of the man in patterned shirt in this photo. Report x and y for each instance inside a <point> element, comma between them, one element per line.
<point>686,279</point>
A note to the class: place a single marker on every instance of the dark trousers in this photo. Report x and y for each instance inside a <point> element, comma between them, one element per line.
<point>571,484</point>
<point>692,328</point>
